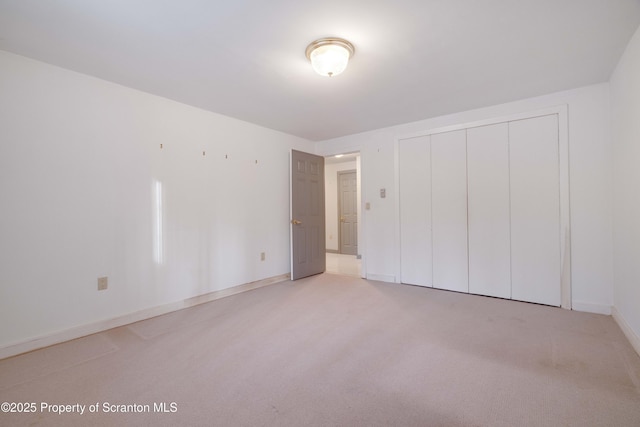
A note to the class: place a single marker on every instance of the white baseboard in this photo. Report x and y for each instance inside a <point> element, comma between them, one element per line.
<point>631,335</point>
<point>381,278</point>
<point>103,325</point>
<point>590,307</point>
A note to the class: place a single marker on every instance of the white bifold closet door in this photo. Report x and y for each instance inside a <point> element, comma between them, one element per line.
<point>488,199</point>
<point>415,210</point>
<point>449,210</point>
<point>535,210</point>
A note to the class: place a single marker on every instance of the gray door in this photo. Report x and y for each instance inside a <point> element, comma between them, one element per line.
<point>307,215</point>
<point>348,211</point>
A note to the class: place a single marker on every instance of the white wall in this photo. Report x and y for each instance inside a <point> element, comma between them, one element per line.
<point>331,200</point>
<point>79,159</point>
<point>625,124</point>
<point>590,187</point>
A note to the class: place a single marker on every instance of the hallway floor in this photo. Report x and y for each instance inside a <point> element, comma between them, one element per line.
<point>346,265</point>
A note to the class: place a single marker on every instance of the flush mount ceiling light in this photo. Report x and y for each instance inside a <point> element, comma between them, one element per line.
<point>329,56</point>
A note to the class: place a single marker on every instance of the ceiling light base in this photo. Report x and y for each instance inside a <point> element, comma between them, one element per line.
<point>329,56</point>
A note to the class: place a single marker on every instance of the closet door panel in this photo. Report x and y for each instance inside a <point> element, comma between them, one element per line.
<point>415,211</point>
<point>449,211</point>
<point>535,210</point>
<point>488,199</point>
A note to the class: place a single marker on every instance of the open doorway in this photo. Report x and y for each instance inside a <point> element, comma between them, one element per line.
<point>343,214</point>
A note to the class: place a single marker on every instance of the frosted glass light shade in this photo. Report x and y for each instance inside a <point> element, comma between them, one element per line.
<point>330,56</point>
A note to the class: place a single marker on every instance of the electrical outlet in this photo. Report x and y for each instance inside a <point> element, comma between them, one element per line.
<point>263,256</point>
<point>103,283</point>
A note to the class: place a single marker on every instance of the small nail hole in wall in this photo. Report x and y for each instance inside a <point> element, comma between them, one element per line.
<point>161,146</point>
<point>203,153</point>
<point>256,162</point>
<point>226,156</point>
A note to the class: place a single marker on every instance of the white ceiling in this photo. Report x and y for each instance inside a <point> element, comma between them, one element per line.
<point>414,59</point>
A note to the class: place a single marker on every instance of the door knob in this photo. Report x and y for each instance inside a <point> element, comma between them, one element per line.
<point>296,222</point>
<point>341,219</point>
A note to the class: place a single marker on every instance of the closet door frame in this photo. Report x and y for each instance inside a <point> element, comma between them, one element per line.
<point>563,155</point>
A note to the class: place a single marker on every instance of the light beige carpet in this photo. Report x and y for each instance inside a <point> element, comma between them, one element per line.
<point>340,351</point>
